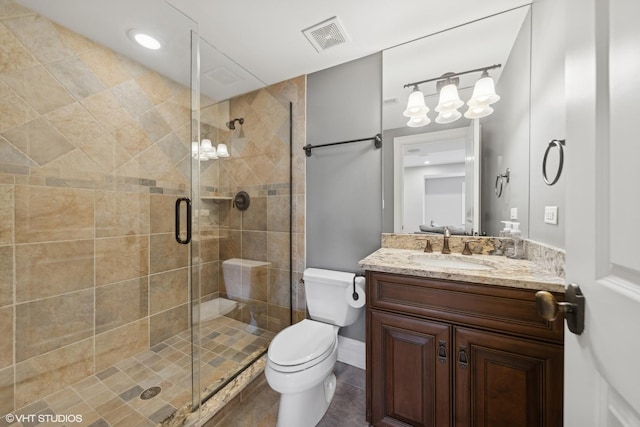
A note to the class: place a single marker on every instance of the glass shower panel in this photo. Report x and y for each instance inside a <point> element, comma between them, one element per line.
<point>93,160</point>
<point>244,231</point>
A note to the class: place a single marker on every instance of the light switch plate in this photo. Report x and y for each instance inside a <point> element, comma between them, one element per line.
<point>514,213</point>
<point>551,215</point>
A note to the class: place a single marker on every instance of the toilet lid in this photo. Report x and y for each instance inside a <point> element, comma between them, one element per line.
<point>300,343</point>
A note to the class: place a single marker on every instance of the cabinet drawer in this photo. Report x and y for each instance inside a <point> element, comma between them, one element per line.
<point>500,308</point>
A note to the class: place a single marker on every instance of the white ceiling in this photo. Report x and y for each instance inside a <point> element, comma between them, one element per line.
<point>253,43</point>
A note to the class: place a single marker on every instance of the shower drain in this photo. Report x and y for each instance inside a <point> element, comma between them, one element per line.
<point>150,393</point>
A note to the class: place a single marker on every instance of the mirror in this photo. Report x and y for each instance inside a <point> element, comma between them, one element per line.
<point>447,174</point>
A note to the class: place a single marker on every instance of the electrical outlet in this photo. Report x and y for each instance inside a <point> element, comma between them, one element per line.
<point>551,215</point>
<point>514,213</point>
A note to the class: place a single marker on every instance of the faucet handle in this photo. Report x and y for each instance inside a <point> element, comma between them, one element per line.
<point>447,232</point>
<point>467,249</point>
<point>428,247</point>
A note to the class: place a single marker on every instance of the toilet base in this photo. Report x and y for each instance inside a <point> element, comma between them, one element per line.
<point>307,408</point>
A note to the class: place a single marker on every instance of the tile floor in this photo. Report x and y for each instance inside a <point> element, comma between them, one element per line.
<point>112,397</point>
<point>260,407</point>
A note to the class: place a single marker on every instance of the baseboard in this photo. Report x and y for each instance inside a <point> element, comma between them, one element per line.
<point>352,352</point>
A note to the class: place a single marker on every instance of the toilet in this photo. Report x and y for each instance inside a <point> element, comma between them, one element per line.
<point>301,357</point>
<point>246,280</point>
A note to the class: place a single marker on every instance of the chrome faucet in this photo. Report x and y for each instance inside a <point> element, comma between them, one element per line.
<point>445,241</point>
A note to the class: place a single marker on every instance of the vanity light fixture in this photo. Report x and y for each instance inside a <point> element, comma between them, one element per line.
<point>206,151</point>
<point>144,39</point>
<point>484,94</point>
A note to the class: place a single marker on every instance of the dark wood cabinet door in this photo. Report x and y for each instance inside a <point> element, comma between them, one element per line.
<point>409,362</point>
<point>501,381</point>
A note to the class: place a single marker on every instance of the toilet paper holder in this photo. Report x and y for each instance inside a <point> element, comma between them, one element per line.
<point>355,293</point>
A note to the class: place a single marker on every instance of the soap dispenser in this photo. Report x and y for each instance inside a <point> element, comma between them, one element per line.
<point>505,233</point>
<point>516,236</point>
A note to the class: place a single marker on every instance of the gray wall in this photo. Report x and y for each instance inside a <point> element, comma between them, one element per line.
<point>547,116</point>
<point>344,183</point>
<point>505,141</point>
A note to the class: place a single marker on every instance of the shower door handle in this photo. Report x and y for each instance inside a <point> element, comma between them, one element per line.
<point>188,203</point>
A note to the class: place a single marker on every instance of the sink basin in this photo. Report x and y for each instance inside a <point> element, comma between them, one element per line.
<point>442,261</point>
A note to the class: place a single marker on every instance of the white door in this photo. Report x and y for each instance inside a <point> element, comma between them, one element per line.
<point>602,366</point>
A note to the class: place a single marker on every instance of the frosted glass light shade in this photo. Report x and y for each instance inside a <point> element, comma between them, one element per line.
<point>484,93</point>
<point>449,99</point>
<point>448,116</point>
<point>222,150</point>
<point>418,121</point>
<point>478,112</point>
<point>416,106</point>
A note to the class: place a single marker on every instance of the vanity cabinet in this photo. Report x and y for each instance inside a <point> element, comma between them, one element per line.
<point>446,353</point>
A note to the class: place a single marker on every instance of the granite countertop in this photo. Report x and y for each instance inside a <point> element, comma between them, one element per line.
<point>507,272</point>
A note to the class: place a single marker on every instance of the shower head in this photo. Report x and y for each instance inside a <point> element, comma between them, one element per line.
<point>232,124</point>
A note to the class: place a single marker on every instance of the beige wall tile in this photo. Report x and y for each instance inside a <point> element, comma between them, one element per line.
<point>6,214</point>
<point>121,303</point>
<point>168,323</point>
<point>209,250</point>
<point>10,9</point>
<point>278,249</point>
<point>6,343</point>
<point>6,275</point>
<point>73,40</point>
<point>75,123</point>
<point>121,258</point>
<point>51,323</point>
<point>168,290</point>
<point>49,269</point>
<point>131,97</point>
<point>46,374</point>
<point>154,162</point>
<point>120,214</point>
<point>255,218</point>
<point>106,66</point>
<point>13,55</point>
<point>14,112</point>
<point>278,212</point>
<point>162,213</point>
<point>166,253</point>
<point>120,343</point>
<point>106,109</point>
<point>278,292</point>
<point>47,213</point>
<point>209,278</point>
<point>41,141</point>
<point>39,89</point>
<point>254,245</point>
<point>76,77</point>
<point>154,125</point>
<point>155,86</point>
<point>6,390</point>
<point>40,37</point>
<point>132,138</point>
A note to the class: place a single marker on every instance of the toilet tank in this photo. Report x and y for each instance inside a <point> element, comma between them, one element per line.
<point>325,292</point>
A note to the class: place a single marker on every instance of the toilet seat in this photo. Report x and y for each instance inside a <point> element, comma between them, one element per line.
<point>302,345</point>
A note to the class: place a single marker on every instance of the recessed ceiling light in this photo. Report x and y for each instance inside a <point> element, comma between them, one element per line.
<point>144,39</point>
<point>427,162</point>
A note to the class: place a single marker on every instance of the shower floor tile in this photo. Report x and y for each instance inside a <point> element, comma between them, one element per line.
<point>111,398</point>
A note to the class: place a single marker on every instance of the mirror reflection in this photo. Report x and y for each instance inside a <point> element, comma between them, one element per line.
<point>441,168</point>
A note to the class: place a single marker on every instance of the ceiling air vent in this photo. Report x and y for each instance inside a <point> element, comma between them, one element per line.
<point>326,34</point>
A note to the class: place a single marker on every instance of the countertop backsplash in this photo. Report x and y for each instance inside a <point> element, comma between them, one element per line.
<point>548,257</point>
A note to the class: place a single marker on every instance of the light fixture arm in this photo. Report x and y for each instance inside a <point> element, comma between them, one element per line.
<point>232,124</point>
<point>451,75</point>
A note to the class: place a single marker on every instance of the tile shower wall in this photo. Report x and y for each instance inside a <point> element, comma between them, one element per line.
<point>94,149</point>
<point>259,165</point>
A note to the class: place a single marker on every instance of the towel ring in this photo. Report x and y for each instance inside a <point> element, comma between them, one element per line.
<point>553,143</point>
<point>500,178</point>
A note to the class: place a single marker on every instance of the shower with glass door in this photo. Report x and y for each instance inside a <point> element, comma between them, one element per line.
<point>106,314</point>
